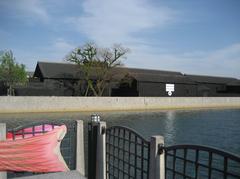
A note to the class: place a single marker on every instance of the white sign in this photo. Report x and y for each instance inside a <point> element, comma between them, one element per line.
<point>170,89</point>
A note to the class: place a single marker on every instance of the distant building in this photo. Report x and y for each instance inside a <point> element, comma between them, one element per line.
<point>62,79</point>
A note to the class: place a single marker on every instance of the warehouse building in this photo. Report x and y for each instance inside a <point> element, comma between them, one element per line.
<point>62,79</point>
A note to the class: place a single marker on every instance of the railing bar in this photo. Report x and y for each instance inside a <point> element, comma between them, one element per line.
<point>121,170</point>
<point>128,152</point>
<point>124,163</point>
<point>230,174</point>
<point>185,162</point>
<point>20,133</point>
<point>135,157</point>
<point>108,151</point>
<point>196,164</point>
<point>179,173</point>
<point>145,143</point>
<point>166,163</point>
<point>199,164</point>
<point>33,130</point>
<point>148,167</point>
<point>174,162</point>
<point>205,148</point>
<point>130,131</point>
<point>210,165</point>
<point>114,148</point>
<point>130,165</point>
<point>23,136</point>
<point>142,161</point>
<point>43,128</point>
<point>129,145</point>
<point>118,151</point>
<point>225,167</point>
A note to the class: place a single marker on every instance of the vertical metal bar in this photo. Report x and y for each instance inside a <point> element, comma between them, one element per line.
<point>166,158</point>
<point>118,150</point>
<point>185,161</point>
<point>225,167</point>
<point>135,158</point>
<point>114,148</point>
<point>174,163</point>
<point>90,151</point>
<point>101,151</point>
<point>108,135</point>
<point>148,160</point>
<point>129,145</point>
<point>210,165</point>
<point>142,156</point>
<point>33,130</point>
<point>124,133</point>
<point>196,164</point>
<point>23,133</point>
<point>13,133</point>
<point>43,128</point>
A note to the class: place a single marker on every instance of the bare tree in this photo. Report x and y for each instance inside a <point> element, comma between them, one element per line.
<point>98,65</point>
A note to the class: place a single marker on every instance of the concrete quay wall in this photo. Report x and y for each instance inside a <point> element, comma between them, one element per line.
<point>12,104</point>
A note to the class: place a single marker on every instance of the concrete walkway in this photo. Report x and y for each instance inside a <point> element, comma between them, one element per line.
<point>60,175</point>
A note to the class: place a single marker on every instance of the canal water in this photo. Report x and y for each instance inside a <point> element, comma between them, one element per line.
<point>213,127</point>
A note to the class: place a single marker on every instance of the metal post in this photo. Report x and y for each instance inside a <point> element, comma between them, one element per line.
<point>92,145</point>
<point>80,163</point>
<point>3,175</point>
<point>157,158</point>
<point>101,151</point>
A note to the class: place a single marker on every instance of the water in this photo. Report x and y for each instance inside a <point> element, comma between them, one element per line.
<point>216,128</point>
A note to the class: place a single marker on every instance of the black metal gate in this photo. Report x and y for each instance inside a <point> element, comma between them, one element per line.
<point>128,157</point>
<point>127,154</point>
<point>200,162</point>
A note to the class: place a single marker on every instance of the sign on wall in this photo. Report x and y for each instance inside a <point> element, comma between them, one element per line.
<point>170,89</point>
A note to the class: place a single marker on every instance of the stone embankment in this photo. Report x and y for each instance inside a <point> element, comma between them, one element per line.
<point>10,104</point>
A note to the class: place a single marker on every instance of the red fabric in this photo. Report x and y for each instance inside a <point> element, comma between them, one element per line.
<point>35,154</point>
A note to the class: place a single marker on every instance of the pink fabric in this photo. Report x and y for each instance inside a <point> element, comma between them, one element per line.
<point>18,134</point>
<point>35,154</point>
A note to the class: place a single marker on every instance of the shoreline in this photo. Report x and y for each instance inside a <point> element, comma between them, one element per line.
<point>10,104</point>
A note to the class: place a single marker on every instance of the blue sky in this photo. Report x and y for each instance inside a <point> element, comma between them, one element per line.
<point>196,37</point>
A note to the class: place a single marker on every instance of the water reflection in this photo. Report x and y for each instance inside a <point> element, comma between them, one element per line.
<point>170,131</point>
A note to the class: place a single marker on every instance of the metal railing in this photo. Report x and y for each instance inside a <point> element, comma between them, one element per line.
<point>127,154</point>
<point>121,153</point>
<point>196,161</point>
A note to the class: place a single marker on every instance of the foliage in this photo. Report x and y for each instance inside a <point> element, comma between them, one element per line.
<point>11,73</point>
<point>98,65</point>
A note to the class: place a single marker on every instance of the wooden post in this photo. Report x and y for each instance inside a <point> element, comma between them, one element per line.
<point>80,163</point>
<point>157,158</point>
<point>101,151</point>
<point>3,175</point>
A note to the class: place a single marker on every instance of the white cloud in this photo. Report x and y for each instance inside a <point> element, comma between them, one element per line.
<point>54,51</point>
<point>26,10</point>
<point>62,45</point>
<point>107,22</point>
<point>222,62</point>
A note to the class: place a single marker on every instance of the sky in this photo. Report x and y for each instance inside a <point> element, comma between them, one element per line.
<point>193,37</point>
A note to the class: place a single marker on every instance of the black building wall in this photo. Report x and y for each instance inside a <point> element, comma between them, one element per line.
<point>216,90</point>
<point>159,89</point>
<point>3,89</point>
